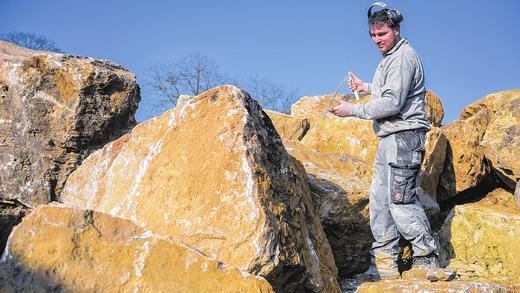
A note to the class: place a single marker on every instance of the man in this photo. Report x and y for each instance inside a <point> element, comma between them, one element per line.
<point>399,120</point>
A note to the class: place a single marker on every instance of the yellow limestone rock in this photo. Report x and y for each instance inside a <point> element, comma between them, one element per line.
<point>485,137</point>
<point>480,239</point>
<point>410,286</point>
<point>434,159</point>
<point>213,173</point>
<point>339,186</point>
<point>289,127</point>
<point>70,250</point>
<point>350,135</point>
<point>433,108</point>
<point>501,141</point>
<point>465,166</point>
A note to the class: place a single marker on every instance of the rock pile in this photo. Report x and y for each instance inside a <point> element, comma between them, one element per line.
<point>218,195</point>
<point>462,162</point>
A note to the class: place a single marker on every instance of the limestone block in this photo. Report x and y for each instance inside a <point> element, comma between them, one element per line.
<point>58,249</point>
<point>465,165</point>
<point>350,135</point>
<point>480,240</point>
<point>501,142</point>
<point>213,173</point>
<point>434,159</point>
<point>434,109</point>
<point>54,110</point>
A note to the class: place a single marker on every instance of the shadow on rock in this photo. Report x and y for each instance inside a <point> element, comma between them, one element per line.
<point>11,214</point>
<point>344,218</point>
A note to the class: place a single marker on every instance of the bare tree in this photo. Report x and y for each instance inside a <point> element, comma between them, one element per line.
<point>31,41</point>
<point>271,95</point>
<point>190,76</point>
<point>196,73</point>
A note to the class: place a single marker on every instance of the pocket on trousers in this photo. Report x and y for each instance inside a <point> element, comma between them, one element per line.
<point>403,183</point>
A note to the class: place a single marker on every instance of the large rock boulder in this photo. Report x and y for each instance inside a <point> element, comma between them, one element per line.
<point>214,174</point>
<point>339,186</point>
<point>465,165</point>
<point>484,141</point>
<point>54,110</point>
<point>480,239</point>
<point>57,249</point>
<point>501,142</point>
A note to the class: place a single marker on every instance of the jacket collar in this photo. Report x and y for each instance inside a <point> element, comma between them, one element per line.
<point>396,46</point>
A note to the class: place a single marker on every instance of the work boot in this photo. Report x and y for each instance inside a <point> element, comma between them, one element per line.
<point>375,274</point>
<point>427,268</point>
<point>425,262</point>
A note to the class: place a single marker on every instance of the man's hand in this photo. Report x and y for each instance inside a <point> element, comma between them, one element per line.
<point>356,84</point>
<point>342,109</point>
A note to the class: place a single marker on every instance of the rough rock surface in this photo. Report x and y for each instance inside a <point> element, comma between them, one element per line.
<point>499,197</point>
<point>351,135</point>
<point>339,187</point>
<point>433,108</point>
<point>480,239</point>
<point>434,158</point>
<point>410,286</point>
<point>501,142</point>
<point>54,110</point>
<point>289,127</point>
<point>57,249</point>
<point>213,173</point>
<point>465,165</point>
<point>486,137</point>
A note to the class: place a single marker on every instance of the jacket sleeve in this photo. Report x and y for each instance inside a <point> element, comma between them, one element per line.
<point>393,95</point>
<point>369,87</point>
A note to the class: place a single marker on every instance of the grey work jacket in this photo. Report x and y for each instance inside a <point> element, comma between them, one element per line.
<point>398,93</point>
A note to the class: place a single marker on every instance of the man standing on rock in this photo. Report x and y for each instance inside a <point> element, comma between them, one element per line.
<point>399,120</point>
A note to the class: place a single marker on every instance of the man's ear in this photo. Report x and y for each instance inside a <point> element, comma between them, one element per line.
<point>397,30</point>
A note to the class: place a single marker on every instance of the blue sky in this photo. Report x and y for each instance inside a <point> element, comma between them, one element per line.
<point>469,48</point>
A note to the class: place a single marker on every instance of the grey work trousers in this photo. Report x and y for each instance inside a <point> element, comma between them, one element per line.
<point>394,206</point>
